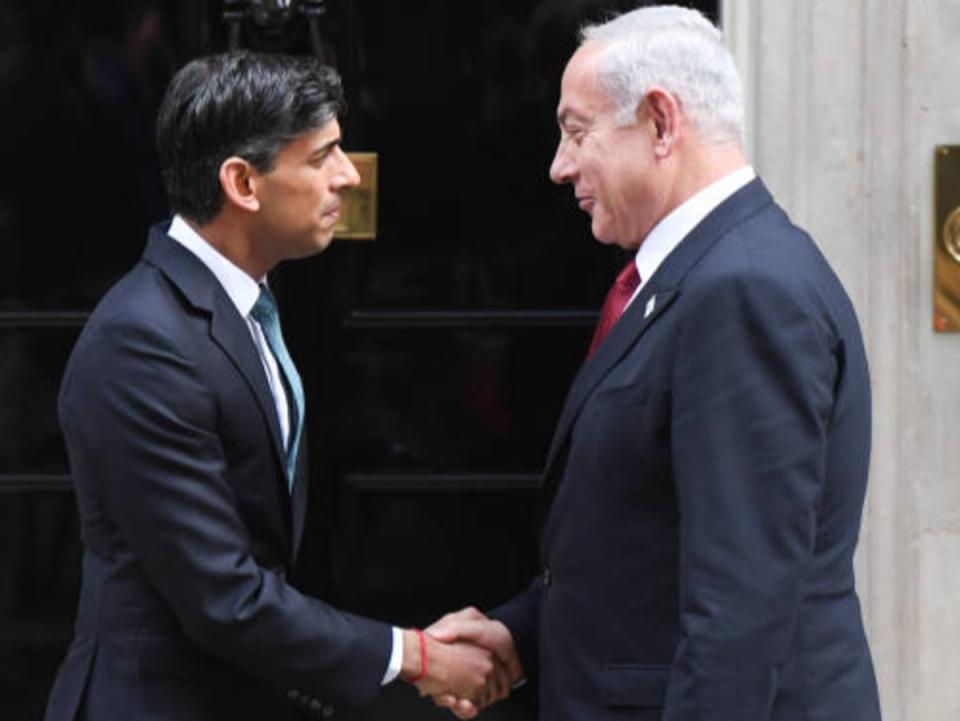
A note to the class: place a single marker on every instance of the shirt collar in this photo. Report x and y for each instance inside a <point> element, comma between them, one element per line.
<point>240,287</point>
<point>667,234</point>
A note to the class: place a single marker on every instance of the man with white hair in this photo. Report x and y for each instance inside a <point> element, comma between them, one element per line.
<point>705,484</point>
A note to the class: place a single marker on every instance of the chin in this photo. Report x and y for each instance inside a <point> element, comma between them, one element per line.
<point>320,243</point>
<point>603,235</point>
<point>608,236</point>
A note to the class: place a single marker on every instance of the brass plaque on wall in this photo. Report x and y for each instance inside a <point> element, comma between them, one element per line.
<point>946,254</point>
<point>358,214</point>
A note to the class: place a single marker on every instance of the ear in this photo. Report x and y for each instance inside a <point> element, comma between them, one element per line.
<point>664,114</point>
<point>237,180</point>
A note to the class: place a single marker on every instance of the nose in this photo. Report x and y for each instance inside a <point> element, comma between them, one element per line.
<point>561,169</point>
<point>347,175</point>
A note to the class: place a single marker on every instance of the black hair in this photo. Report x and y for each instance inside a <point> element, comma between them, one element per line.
<point>241,104</point>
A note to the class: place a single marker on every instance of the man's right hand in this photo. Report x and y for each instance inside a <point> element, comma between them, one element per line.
<point>472,626</point>
<point>458,669</point>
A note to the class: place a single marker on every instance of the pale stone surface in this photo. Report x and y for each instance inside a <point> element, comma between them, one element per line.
<point>846,101</point>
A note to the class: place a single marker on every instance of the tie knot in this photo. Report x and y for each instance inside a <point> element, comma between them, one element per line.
<point>265,309</point>
<point>629,278</point>
<point>617,299</point>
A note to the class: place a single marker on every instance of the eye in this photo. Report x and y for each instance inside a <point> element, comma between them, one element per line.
<point>318,159</point>
<point>575,135</point>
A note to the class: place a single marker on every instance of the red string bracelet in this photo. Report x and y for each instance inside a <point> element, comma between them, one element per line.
<point>423,657</point>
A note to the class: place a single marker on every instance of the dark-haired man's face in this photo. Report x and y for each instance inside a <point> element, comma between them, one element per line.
<point>300,196</point>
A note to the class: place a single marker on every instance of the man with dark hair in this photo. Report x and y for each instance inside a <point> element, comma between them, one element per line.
<point>183,417</point>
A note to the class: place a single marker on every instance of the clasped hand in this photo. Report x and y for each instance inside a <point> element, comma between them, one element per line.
<point>471,662</point>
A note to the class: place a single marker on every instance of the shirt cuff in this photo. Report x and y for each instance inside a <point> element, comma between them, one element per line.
<point>396,658</point>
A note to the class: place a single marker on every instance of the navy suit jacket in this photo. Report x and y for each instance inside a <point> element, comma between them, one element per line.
<point>705,488</point>
<point>190,534</point>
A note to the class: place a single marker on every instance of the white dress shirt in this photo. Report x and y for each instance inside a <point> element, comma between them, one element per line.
<point>667,234</point>
<point>244,291</point>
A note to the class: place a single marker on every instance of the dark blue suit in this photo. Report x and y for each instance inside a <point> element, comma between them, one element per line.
<point>186,610</point>
<point>705,488</point>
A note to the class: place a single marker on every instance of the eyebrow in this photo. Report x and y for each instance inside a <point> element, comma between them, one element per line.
<point>566,114</point>
<point>326,147</point>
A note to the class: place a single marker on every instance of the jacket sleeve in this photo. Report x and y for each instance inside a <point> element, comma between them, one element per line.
<point>752,394</point>
<point>521,615</point>
<point>141,429</point>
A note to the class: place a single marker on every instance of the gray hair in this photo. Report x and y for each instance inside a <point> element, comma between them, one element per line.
<point>679,50</point>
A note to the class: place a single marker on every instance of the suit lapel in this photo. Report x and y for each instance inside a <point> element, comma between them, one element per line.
<point>299,495</point>
<point>227,328</point>
<point>634,322</point>
<point>664,287</point>
<point>229,331</point>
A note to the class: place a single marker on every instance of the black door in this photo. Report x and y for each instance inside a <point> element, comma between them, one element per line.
<point>435,358</point>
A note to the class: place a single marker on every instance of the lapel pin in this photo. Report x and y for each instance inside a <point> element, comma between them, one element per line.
<point>651,304</point>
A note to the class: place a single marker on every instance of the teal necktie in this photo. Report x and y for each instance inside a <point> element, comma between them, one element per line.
<point>265,313</point>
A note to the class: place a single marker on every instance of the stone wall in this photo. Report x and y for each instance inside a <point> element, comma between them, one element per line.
<point>846,101</point>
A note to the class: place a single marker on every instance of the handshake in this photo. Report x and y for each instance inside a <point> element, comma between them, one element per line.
<point>464,662</point>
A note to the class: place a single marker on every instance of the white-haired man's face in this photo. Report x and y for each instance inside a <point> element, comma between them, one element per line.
<point>613,169</point>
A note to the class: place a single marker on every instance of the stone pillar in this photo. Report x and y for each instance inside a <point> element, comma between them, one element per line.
<point>846,101</point>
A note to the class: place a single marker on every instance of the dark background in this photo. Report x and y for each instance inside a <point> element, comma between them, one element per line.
<point>435,358</point>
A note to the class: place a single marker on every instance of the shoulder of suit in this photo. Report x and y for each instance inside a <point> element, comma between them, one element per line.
<point>144,301</point>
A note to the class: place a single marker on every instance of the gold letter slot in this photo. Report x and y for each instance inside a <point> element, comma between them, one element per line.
<point>358,215</point>
<point>946,254</point>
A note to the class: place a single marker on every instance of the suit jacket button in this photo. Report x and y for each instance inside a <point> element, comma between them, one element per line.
<point>293,694</point>
<point>329,711</point>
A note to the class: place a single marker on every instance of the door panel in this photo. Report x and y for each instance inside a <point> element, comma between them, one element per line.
<point>435,358</point>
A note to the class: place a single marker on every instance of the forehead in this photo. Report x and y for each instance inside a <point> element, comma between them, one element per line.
<point>323,134</point>
<point>581,95</point>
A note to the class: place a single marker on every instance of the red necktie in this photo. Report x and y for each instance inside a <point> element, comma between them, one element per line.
<point>617,298</point>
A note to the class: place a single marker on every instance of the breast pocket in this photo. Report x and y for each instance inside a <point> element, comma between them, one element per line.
<point>622,428</point>
<point>635,686</point>
<point>629,396</point>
